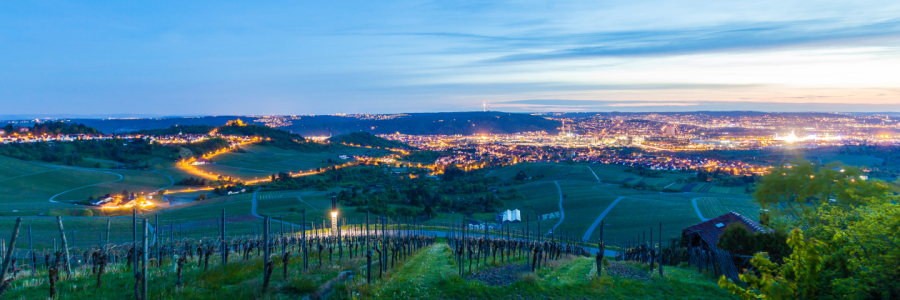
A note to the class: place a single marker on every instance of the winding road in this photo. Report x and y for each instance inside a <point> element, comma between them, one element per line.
<point>562,214</point>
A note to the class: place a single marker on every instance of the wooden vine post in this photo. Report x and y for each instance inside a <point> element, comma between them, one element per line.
<point>144,260</point>
<point>305,244</point>
<point>65,246</point>
<point>660,248</point>
<point>222,239</point>
<point>267,264</point>
<point>10,251</point>
<point>601,251</point>
<point>368,252</point>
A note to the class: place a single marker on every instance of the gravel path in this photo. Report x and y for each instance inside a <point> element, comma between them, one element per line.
<point>622,270</point>
<point>500,276</point>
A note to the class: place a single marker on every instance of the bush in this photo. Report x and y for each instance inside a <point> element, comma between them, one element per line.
<point>83,213</point>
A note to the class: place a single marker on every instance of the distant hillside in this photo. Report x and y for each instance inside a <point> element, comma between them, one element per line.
<point>131,125</point>
<point>274,137</point>
<point>55,128</point>
<point>190,129</point>
<point>418,123</point>
<point>430,123</point>
<point>736,113</point>
<point>367,139</point>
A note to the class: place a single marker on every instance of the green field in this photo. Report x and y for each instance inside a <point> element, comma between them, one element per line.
<point>706,187</point>
<point>132,181</point>
<point>11,168</point>
<point>582,205</point>
<point>262,161</point>
<point>31,186</point>
<point>853,160</point>
<point>585,200</point>
<point>40,187</point>
<point>713,207</point>
<point>546,171</point>
<point>635,215</point>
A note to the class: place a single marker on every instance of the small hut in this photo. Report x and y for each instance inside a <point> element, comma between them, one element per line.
<point>707,233</point>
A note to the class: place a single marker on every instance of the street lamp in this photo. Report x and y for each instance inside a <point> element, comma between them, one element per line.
<point>334,214</point>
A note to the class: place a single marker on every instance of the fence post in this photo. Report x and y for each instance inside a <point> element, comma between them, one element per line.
<point>266,266</point>
<point>368,252</point>
<point>222,237</point>
<point>31,250</point>
<point>282,235</point>
<point>156,242</point>
<point>65,246</point>
<point>651,248</point>
<point>660,249</point>
<point>303,234</point>
<point>133,238</point>
<point>10,251</point>
<point>108,221</point>
<point>144,261</point>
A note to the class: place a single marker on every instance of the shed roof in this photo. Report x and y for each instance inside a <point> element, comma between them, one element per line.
<point>710,230</point>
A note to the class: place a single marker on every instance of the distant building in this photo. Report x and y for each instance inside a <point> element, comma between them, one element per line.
<point>669,130</point>
<point>511,216</point>
<point>2,132</point>
<point>103,200</point>
<point>707,233</point>
<point>23,129</point>
<point>200,161</point>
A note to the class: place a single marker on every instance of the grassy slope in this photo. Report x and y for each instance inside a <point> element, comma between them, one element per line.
<point>40,187</point>
<point>29,186</point>
<point>12,168</point>
<point>433,275</point>
<point>239,280</point>
<point>712,207</point>
<point>582,204</point>
<point>261,161</point>
<point>133,181</point>
<point>635,215</point>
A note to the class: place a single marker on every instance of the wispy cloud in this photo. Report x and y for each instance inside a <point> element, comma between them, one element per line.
<point>735,37</point>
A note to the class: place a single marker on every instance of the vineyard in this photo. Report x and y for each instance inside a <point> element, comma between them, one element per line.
<point>392,259</point>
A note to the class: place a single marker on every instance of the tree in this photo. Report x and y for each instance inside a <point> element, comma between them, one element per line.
<point>736,237</point>
<point>844,241</point>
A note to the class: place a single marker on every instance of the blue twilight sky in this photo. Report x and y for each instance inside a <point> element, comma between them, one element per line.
<point>320,57</point>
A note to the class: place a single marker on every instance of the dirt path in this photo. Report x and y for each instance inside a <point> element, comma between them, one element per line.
<point>595,174</point>
<point>700,215</point>
<point>256,205</point>
<point>304,202</point>
<point>590,230</point>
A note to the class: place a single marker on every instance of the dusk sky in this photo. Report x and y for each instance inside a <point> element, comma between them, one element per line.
<point>322,57</point>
